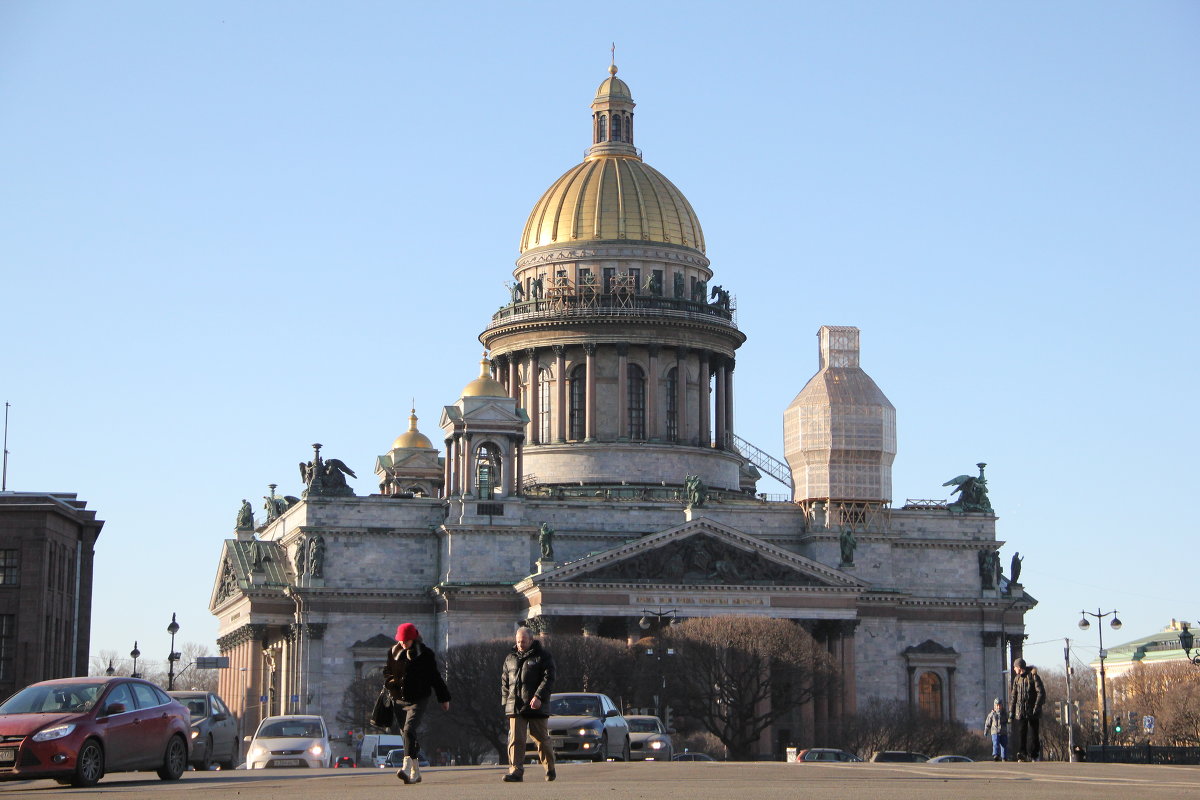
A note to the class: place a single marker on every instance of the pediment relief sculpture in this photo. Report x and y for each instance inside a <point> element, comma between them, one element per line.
<point>700,560</point>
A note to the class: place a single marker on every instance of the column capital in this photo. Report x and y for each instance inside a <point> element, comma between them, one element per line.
<point>559,350</point>
<point>653,349</point>
<point>531,352</point>
<point>589,349</point>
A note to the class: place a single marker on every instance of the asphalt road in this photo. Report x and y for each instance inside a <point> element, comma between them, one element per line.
<point>715,781</point>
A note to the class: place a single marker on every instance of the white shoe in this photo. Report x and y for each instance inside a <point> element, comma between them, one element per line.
<point>414,774</point>
<point>402,773</point>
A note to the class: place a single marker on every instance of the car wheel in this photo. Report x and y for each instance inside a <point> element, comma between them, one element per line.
<point>174,759</point>
<point>205,762</point>
<point>89,764</point>
<point>625,751</point>
<point>602,754</point>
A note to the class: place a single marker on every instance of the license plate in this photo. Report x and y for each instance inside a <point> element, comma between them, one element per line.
<point>557,742</point>
<point>286,762</point>
<point>8,755</point>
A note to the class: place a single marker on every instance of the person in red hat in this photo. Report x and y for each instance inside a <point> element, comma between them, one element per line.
<point>410,676</point>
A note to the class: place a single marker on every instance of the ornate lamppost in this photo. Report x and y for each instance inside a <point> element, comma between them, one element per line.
<point>1186,640</point>
<point>1115,624</point>
<point>644,623</point>
<point>172,629</point>
<point>135,654</point>
<point>111,669</point>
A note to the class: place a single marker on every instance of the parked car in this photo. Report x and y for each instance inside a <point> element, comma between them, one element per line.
<point>394,759</point>
<point>586,725</point>
<point>345,761</point>
<point>826,754</point>
<point>951,760</point>
<point>291,740</point>
<point>214,729</point>
<point>898,756</point>
<point>75,730</point>
<point>693,757</point>
<point>375,746</point>
<point>649,739</point>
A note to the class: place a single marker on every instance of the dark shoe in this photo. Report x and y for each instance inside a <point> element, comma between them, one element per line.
<point>551,774</point>
<point>514,777</point>
<point>995,758</point>
<point>402,775</point>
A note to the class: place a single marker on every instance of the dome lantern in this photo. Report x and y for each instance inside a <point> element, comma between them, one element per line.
<point>612,119</point>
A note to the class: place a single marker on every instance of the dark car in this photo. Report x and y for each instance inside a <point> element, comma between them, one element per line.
<point>826,755</point>
<point>75,730</point>
<point>898,756</point>
<point>345,761</point>
<point>394,759</point>
<point>693,757</point>
<point>586,725</point>
<point>214,729</point>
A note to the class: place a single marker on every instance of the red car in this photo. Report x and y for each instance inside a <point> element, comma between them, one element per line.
<point>74,730</point>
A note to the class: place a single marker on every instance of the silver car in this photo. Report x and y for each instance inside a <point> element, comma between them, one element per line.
<point>649,739</point>
<point>587,725</point>
<point>214,730</point>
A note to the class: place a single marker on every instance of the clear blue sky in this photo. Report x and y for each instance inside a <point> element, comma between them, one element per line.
<point>228,230</point>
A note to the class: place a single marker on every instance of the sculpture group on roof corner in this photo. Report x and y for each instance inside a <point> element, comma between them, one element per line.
<point>325,477</point>
<point>972,492</point>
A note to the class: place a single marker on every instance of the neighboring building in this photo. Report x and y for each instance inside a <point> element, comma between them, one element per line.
<point>591,472</point>
<point>1156,648</point>
<point>47,542</point>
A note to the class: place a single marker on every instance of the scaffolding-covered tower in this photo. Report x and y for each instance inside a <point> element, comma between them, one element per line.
<point>839,437</point>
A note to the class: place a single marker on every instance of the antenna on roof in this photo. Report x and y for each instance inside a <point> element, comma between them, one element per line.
<point>4,474</point>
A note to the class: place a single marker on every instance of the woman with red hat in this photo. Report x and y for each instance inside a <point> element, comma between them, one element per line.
<point>410,676</point>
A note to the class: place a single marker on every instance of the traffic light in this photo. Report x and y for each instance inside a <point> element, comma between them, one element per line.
<point>1058,712</point>
<point>1117,723</point>
<point>1096,721</point>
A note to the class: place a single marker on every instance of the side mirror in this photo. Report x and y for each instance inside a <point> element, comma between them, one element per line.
<point>612,712</point>
<point>114,708</point>
<point>220,717</point>
<point>248,739</point>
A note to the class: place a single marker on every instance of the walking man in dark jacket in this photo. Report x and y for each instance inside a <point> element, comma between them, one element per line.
<point>525,685</point>
<point>1026,698</point>
<point>410,676</point>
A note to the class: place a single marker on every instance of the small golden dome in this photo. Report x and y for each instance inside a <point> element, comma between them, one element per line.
<point>485,385</point>
<point>412,437</point>
<point>613,87</point>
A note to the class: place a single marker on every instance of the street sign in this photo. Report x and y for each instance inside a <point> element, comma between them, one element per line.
<point>295,698</point>
<point>212,662</point>
<point>1148,723</point>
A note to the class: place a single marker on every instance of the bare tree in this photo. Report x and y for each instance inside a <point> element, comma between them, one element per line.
<point>594,664</point>
<point>735,676</point>
<point>1170,692</point>
<point>357,703</point>
<point>893,725</point>
<point>476,719</point>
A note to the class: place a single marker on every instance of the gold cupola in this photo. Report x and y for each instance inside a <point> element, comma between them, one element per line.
<point>612,195</point>
<point>485,385</point>
<point>412,437</point>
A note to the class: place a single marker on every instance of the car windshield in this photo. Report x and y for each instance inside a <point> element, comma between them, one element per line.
<point>195,706</point>
<point>53,699</point>
<point>575,705</point>
<point>290,729</point>
<point>643,725</point>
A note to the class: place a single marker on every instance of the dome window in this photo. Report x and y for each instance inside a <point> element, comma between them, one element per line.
<point>577,389</point>
<point>636,387</point>
<point>673,405</point>
<point>616,129</point>
<point>602,129</point>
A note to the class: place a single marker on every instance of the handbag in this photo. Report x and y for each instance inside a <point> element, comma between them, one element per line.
<point>382,714</point>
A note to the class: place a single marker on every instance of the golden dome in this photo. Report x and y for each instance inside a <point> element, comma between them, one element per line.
<point>485,385</point>
<point>613,195</point>
<point>412,437</point>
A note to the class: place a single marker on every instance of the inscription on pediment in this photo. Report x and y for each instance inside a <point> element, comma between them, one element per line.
<point>700,560</point>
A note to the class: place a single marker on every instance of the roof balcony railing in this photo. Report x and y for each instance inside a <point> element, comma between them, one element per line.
<point>613,304</point>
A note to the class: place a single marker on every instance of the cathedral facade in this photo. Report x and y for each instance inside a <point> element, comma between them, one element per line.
<point>590,478</point>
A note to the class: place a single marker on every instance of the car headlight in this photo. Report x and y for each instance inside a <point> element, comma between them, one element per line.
<point>316,749</point>
<point>57,732</point>
<point>657,745</point>
<point>588,733</point>
<point>195,733</point>
<point>256,751</point>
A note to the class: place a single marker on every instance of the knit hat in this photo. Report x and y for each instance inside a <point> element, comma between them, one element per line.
<point>1020,662</point>
<point>996,702</point>
<point>407,633</point>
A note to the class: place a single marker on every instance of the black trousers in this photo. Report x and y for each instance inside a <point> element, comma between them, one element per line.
<point>407,721</point>
<point>1029,740</point>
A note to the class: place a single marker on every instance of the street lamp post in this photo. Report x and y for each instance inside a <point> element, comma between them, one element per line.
<point>1186,640</point>
<point>644,623</point>
<point>135,654</point>
<point>1115,624</point>
<point>172,657</point>
<point>111,669</point>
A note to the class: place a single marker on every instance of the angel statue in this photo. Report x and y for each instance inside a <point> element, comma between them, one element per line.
<point>972,492</point>
<point>325,476</point>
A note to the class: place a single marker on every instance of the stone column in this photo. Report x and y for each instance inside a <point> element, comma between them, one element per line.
<point>652,416</point>
<point>622,392</point>
<point>560,410</point>
<point>720,409</point>
<point>468,483</point>
<point>448,470</point>
<point>706,431</point>
<point>681,356</point>
<point>500,366</point>
<point>849,684</point>
<point>518,470</point>
<point>514,379</point>
<point>729,364</point>
<point>589,414</point>
<point>535,425</point>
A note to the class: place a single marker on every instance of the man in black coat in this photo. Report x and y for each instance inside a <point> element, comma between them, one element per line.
<point>1026,698</point>
<point>410,676</point>
<point>525,685</point>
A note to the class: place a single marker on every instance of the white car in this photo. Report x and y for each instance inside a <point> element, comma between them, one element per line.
<point>649,739</point>
<point>292,740</point>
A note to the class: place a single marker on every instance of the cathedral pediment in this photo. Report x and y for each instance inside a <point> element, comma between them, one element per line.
<point>250,563</point>
<point>699,553</point>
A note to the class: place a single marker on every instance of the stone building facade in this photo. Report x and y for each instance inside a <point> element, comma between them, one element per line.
<point>591,472</point>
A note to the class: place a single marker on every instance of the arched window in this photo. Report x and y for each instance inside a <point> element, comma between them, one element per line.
<point>673,405</point>
<point>577,389</point>
<point>488,474</point>
<point>544,433</point>
<point>616,128</point>
<point>602,129</point>
<point>636,402</point>
<point>929,695</point>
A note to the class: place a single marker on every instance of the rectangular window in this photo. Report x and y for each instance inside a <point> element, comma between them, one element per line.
<point>609,274</point>
<point>10,563</point>
<point>8,645</point>
<point>636,274</point>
